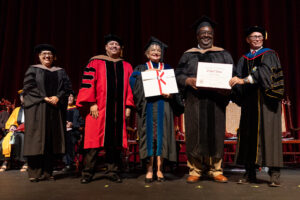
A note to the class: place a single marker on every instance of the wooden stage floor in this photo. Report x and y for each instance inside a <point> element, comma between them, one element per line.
<point>15,185</point>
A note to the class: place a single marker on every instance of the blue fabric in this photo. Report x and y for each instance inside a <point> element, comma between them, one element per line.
<point>160,126</point>
<point>149,128</point>
<point>155,65</point>
<point>261,51</point>
<point>132,78</point>
<point>149,118</point>
<point>166,66</point>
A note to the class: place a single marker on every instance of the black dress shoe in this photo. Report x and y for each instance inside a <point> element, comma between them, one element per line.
<point>68,168</point>
<point>148,180</point>
<point>86,180</point>
<point>46,178</point>
<point>274,184</point>
<point>115,178</point>
<point>243,181</point>
<point>161,179</point>
<point>247,180</point>
<point>34,180</point>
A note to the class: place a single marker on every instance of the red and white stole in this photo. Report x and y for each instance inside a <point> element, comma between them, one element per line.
<point>150,65</point>
<point>158,73</point>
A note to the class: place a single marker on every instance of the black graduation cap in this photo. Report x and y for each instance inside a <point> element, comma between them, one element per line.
<point>259,29</point>
<point>154,40</point>
<point>203,21</point>
<point>44,47</point>
<point>113,37</point>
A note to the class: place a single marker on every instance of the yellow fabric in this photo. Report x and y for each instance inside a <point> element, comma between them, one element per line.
<point>13,118</point>
<point>6,147</point>
<point>73,106</point>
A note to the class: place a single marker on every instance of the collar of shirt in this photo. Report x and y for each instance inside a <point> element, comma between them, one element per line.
<point>199,47</point>
<point>251,50</point>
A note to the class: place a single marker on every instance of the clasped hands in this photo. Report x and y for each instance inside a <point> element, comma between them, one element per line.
<point>52,100</point>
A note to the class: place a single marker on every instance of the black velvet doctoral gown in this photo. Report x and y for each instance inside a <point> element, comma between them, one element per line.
<point>155,119</point>
<point>45,124</point>
<point>204,109</point>
<point>260,124</point>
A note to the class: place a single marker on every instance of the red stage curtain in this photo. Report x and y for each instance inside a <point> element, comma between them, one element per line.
<point>77,28</point>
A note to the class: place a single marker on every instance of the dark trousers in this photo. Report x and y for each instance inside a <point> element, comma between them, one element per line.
<point>71,140</point>
<point>40,165</point>
<point>250,170</point>
<point>113,161</point>
<point>274,172</point>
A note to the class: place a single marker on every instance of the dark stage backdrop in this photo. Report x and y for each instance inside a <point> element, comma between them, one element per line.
<point>76,28</point>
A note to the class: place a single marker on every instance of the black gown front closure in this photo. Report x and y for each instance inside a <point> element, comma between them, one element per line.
<point>51,87</point>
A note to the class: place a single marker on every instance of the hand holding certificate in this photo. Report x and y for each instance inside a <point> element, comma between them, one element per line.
<point>159,82</point>
<point>214,75</point>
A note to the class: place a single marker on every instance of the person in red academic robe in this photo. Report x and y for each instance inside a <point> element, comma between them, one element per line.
<point>106,92</point>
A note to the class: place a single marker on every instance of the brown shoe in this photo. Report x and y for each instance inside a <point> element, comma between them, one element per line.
<point>220,178</point>
<point>192,179</point>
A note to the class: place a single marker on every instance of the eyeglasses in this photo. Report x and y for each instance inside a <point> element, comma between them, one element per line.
<point>46,53</point>
<point>256,37</point>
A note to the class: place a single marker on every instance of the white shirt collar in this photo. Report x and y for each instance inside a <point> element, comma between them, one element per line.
<point>256,49</point>
<point>199,47</point>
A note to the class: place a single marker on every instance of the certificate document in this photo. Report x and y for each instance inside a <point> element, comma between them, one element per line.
<point>214,75</point>
<point>157,82</point>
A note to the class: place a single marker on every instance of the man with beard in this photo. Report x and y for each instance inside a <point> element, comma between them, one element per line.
<point>106,93</point>
<point>204,109</point>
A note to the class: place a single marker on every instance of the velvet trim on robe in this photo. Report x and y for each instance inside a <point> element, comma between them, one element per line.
<point>155,120</point>
<point>37,132</point>
<point>106,82</point>
<point>260,124</point>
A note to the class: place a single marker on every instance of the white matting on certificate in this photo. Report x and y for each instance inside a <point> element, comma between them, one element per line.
<point>214,75</point>
<point>157,82</point>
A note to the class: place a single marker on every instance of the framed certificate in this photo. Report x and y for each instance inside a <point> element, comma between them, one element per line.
<point>214,75</point>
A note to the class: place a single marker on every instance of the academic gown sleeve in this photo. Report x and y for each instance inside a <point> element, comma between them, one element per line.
<point>137,88</point>
<point>129,102</point>
<point>66,88</point>
<point>182,72</point>
<point>88,86</point>
<point>269,75</point>
<point>32,94</point>
<point>237,90</point>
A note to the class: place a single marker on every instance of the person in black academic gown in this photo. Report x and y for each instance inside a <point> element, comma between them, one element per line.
<point>204,109</point>
<point>155,114</point>
<point>259,87</point>
<point>46,90</point>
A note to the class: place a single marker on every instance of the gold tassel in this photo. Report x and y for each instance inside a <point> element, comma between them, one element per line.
<point>266,35</point>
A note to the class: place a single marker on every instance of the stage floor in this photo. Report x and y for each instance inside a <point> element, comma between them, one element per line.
<point>15,185</point>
